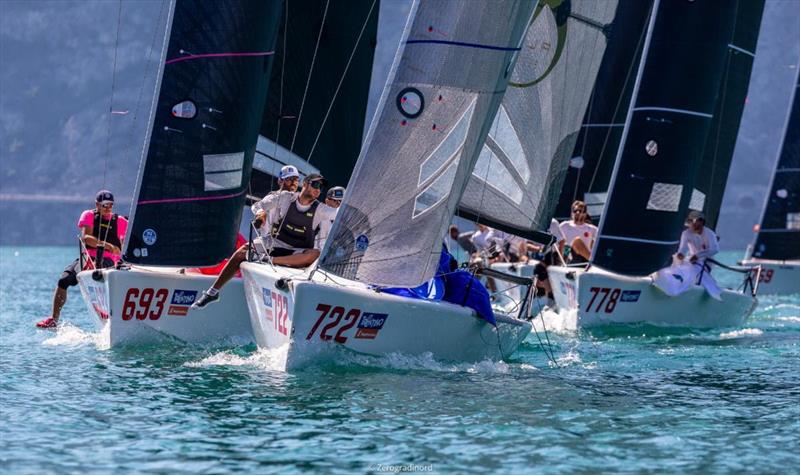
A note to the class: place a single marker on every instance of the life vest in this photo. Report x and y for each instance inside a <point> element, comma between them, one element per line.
<point>105,230</point>
<point>297,228</point>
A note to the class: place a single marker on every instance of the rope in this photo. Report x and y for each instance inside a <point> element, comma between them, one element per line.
<point>111,97</point>
<point>283,69</point>
<point>310,73</point>
<point>341,81</point>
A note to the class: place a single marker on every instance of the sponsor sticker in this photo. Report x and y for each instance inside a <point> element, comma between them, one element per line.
<point>181,301</point>
<point>149,236</point>
<point>266,295</point>
<point>362,243</point>
<point>370,324</point>
<point>630,295</point>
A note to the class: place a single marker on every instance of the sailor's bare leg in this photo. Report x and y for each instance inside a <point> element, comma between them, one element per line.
<point>59,299</point>
<point>579,248</point>
<point>231,267</point>
<point>303,259</point>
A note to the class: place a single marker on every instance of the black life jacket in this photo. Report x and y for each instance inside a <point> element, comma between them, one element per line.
<point>105,229</point>
<point>297,227</point>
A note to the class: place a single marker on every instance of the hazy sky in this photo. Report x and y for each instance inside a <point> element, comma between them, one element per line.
<point>56,87</point>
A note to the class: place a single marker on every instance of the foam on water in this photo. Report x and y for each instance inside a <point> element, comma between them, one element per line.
<point>789,319</point>
<point>745,332</point>
<point>266,359</point>
<point>70,335</point>
<point>426,362</point>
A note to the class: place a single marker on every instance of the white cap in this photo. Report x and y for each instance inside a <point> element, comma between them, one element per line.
<point>287,172</point>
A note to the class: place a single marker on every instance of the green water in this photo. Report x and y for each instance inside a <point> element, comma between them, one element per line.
<point>702,402</point>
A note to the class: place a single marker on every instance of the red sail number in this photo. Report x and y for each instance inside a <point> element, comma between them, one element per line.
<point>144,303</point>
<point>339,317</point>
<point>281,312</point>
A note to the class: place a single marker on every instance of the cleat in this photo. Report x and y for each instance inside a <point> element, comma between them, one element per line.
<point>204,300</point>
<point>48,322</point>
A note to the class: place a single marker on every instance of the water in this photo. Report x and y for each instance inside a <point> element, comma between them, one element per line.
<point>713,401</point>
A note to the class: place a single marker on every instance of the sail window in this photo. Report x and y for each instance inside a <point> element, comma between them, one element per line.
<point>595,202</point>
<point>223,171</point>
<point>793,221</point>
<point>184,110</point>
<point>448,148</point>
<point>437,191</point>
<point>410,102</point>
<point>665,197</point>
<point>698,200</point>
<point>651,147</point>
<point>494,173</point>
<point>505,136</point>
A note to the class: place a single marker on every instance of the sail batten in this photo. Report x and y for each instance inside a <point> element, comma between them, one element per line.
<point>446,84</point>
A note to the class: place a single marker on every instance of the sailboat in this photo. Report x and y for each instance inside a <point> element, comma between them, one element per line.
<point>209,107</point>
<point>444,89</point>
<point>777,244</point>
<point>689,78</point>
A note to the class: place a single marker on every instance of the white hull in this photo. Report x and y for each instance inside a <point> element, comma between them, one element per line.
<point>595,297</point>
<point>310,319</point>
<point>146,305</point>
<point>777,277</point>
<point>510,295</point>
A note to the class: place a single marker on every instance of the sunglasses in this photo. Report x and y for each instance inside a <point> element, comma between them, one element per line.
<point>106,205</point>
<point>316,184</point>
<point>577,210</point>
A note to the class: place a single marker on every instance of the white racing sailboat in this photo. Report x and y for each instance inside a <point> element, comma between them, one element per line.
<point>204,137</point>
<point>674,156</point>
<point>445,87</point>
<point>777,245</point>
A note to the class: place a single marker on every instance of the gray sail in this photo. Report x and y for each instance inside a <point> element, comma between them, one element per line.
<point>446,84</point>
<point>517,179</point>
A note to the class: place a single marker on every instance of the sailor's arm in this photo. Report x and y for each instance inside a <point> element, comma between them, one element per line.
<point>713,246</point>
<point>90,241</point>
<point>683,247</point>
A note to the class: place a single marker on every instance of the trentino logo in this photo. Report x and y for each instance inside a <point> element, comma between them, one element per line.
<point>183,297</point>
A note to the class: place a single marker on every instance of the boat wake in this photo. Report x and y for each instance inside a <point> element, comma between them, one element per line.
<point>70,335</point>
<point>425,362</point>
<point>745,332</point>
<point>263,358</point>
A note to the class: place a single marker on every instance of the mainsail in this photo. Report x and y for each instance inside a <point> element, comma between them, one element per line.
<point>589,171</point>
<point>446,84</point>
<point>713,174</point>
<point>205,118</point>
<point>668,122</point>
<point>517,179</point>
<point>779,233</point>
<point>319,88</point>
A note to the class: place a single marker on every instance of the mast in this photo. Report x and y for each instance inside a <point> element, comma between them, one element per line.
<point>665,133</point>
<point>204,125</point>
<point>778,237</point>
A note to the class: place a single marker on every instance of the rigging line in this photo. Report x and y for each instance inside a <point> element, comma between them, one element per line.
<point>111,97</point>
<point>642,36</point>
<point>145,70</point>
<point>310,73</point>
<point>341,81</point>
<point>283,70</point>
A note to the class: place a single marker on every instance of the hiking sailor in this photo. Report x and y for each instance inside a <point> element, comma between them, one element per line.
<point>293,226</point>
<point>697,241</point>
<point>100,228</point>
<point>577,235</point>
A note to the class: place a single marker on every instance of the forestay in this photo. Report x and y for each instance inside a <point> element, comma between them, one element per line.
<point>779,233</point>
<point>664,136</point>
<point>205,117</point>
<point>446,84</point>
<point>518,176</point>
<point>589,171</point>
<point>713,174</point>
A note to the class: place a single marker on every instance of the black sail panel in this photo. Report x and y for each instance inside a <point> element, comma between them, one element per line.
<point>665,134</point>
<point>713,174</point>
<point>779,233</point>
<point>204,128</point>
<point>318,113</point>
<point>589,174</point>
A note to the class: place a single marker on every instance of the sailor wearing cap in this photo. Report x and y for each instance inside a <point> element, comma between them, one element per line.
<point>335,196</point>
<point>697,241</point>
<point>292,227</point>
<point>101,229</point>
<point>288,178</point>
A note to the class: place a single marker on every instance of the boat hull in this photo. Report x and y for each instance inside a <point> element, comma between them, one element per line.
<point>777,277</point>
<point>313,319</point>
<point>595,297</point>
<point>146,305</point>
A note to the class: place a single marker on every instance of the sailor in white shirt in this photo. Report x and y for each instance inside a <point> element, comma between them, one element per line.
<point>697,241</point>
<point>578,234</point>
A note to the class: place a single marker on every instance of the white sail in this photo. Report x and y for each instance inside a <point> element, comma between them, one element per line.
<point>447,81</point>
<point>517,180</point>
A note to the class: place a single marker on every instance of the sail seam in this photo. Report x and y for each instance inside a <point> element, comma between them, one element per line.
<point>679,111</point>
<point>195,198</point>
<point>219,55</point>
<point>464,44</point>
<point>648,241</point>
<point>741,50</point>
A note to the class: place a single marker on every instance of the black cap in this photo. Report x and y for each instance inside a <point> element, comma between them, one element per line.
<point>104,195</point>
<point>315,177</point>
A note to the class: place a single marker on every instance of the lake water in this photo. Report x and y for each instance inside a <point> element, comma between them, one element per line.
<point>717,401</point>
